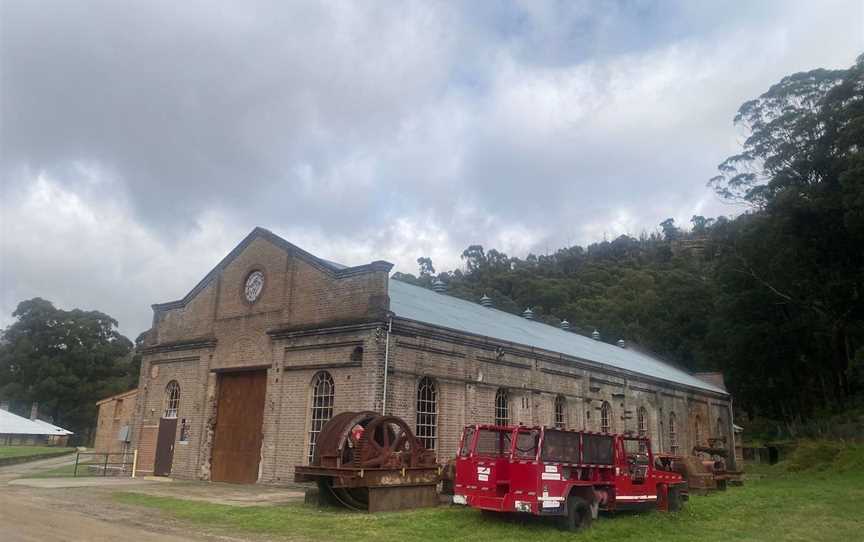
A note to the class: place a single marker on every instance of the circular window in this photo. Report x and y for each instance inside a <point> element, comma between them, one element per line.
<point>254,286</point>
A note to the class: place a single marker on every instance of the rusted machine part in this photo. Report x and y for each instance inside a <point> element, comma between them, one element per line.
<point>388,443</point>
<point>365,461</point>
<point>720,452</point>
<point>334,447</point>
<point>351,498</point>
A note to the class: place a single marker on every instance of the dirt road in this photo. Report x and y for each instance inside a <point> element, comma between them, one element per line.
<point>25,521</point>
<point>77,514</point>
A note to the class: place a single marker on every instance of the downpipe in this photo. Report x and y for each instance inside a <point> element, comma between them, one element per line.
<point>386,362</point>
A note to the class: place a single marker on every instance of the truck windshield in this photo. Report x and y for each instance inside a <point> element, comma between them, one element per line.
<point>493,443</point>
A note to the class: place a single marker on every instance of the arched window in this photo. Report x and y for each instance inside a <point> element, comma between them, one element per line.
<point>427,412</point>
<point>172,399</point>
<point>673,435</point>
<point>322,406</point>
<point>606,417</point>
<point>697,431</point>
<point>502,407</point>
<point>642,422</point>
<point>560,412</point>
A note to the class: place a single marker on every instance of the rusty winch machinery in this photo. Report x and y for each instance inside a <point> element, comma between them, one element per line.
<point>367,461</point>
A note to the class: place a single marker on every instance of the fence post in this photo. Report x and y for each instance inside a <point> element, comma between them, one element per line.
<point>77,455</point>
<point>134,461</point>
<point>105,467</point>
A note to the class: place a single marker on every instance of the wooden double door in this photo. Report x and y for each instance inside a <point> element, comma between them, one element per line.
<point>239,427</point>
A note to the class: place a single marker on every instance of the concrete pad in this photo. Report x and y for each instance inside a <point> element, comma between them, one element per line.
<point>60,483</point>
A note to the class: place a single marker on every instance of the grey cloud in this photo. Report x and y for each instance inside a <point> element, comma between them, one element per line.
<point>368,130</point>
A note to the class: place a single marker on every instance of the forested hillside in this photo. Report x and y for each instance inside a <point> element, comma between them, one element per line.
<point>773,297</point>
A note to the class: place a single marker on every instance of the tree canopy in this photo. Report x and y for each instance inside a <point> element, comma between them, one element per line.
<point>773,298</point>
<point>64,360</point>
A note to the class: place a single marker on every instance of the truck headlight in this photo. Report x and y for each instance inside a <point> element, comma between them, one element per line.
<point>459,499</point>
<point>522,506</point>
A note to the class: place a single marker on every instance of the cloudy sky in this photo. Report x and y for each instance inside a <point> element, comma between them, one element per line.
<point>139,142</point>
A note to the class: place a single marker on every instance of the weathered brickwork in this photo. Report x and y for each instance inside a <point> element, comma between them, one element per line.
<point>115,414</point>
<point>312,316</point>
<point>468,378</point>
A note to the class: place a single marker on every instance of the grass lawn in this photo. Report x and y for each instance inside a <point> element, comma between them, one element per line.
<point>824,504</point>
<point>22,451</point>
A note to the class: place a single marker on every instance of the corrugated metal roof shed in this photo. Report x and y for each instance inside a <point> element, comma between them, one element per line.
<point>416,303</point>
<point>12,424</point>
<point>55,430</point>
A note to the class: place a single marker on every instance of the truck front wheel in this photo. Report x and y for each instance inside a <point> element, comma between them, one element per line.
<point>674,496</point>
<point>578,514</point>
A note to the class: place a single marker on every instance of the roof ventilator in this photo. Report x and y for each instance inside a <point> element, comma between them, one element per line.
<point>595,335</point>
<point>439,286</point>
<point>486,301</point>
<point>622,343</point>
<point>565,325</point>
<point>528,314</point>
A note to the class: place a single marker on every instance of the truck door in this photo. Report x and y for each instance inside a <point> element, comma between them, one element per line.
<point>492,461</point>
<point>632,472</point>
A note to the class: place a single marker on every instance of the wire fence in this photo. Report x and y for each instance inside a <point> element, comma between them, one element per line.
<point>104,464</point>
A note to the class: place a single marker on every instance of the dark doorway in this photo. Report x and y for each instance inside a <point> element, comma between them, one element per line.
<point>239,432</point>
<point>165,446</point>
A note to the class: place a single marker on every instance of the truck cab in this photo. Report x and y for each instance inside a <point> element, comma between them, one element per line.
<point>554,472</point>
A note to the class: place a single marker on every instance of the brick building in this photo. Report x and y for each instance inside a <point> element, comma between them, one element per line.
<point>238,376</point>
<point>114,423</point>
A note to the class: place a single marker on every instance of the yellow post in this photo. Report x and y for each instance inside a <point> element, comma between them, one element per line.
<point>134,461</point>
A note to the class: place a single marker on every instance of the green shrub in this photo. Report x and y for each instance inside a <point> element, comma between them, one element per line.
<point>813,455</point>
<point>825,455</point>
<point>850,459</point>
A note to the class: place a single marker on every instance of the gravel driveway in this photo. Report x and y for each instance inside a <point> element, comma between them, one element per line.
<point>67,509</point>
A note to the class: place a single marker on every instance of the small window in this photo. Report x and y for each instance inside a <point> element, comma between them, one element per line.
<point>560,412</point>
<point>560,446</point>
<point>357,354</point>
<point>642,422</point>
<point>172,399</point>
<point>598,449</point>
<point>323,392</point>
<point>606,417</point>
<point>184,430</point>
<point>502,407</point>
<point>492,443</point>
<point>526,444</point>
<point>697,431</point>
<point>466,442</point>
<point>427,412</point>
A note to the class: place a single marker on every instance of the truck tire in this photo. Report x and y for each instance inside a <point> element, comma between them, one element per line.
<point>578,514</point>
<point>674,496</point>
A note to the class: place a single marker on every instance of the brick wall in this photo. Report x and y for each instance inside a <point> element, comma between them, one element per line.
<point>217,330</point>
<point>114,413</point>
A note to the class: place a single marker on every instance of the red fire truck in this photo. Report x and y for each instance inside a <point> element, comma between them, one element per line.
<point>566,474</point>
